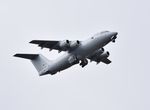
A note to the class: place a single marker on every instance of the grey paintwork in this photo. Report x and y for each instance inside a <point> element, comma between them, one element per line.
<point>70,58</point>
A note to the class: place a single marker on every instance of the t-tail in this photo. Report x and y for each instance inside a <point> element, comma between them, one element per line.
<point>40,62</point>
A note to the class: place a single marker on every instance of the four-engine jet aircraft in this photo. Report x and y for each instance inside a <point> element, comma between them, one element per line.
<point>76,52</point>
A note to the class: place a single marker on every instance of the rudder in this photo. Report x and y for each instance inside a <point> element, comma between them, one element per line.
<point>40,62</point>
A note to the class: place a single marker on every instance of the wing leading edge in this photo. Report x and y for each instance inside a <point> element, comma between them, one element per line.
<point>46,44</point>
<point>64,45</point>
<point>104,60</point>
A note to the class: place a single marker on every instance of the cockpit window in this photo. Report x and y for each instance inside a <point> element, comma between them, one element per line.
<point>104,32</point>
<point>98,34</point>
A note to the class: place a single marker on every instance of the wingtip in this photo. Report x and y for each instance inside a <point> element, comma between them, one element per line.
<point>15,55</point>
<point>31,41</point>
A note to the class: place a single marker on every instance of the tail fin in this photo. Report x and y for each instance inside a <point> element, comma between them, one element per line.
<point>40,62</point>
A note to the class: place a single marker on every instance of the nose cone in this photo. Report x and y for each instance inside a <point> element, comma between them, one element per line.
<point>113,36</point>
<point>115,33</point>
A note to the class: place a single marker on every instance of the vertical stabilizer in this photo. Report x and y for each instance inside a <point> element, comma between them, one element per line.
<point>40,62</point>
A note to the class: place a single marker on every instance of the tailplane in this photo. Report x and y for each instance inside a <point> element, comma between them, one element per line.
<point>40,62</point>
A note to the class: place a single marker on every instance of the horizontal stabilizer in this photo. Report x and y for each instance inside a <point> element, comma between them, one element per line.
<point>40,62</point>
<point>27,56</point>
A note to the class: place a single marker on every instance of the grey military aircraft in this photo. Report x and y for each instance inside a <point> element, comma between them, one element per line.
<point>76,52</point>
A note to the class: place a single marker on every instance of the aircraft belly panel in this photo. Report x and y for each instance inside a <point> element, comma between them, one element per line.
<point>61,64</point>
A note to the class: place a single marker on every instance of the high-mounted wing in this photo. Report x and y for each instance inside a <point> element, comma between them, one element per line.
<point>104,60</point>
<point>47,44</point>
<point>64,45</point>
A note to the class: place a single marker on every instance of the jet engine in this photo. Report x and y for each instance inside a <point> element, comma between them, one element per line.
<point>97,53</point>
<point>64,44</point>
<point>104,55</point>
<point>101,57</point>
<point>74,44</point>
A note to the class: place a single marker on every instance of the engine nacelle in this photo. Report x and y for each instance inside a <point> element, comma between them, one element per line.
<point>104,55</point>
<point>74,44</point>
<point>64,44</point>
<point>97,53</point>
<point>100,51</point>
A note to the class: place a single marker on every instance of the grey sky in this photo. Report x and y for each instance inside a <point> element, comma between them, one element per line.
<point>122,85</point>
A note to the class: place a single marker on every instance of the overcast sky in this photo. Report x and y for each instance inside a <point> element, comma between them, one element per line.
<point>122,85</point>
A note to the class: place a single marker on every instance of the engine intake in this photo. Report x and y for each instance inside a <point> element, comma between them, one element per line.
<point>104,55</point>
<point>97,53</point>
<point>74,44</point>
<point>64,44</point>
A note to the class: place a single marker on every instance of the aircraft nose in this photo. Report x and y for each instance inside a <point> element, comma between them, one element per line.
<point>115,33</point>
<point>114,36</point>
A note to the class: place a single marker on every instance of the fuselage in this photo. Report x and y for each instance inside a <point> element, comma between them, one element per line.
<point>85,49</point>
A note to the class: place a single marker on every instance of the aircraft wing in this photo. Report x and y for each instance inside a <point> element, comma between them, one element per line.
<point>104,60</point>
<point>47,44</point>
<point>64,45</point>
